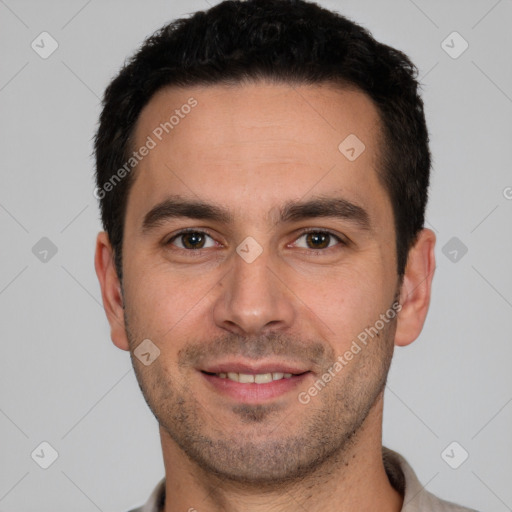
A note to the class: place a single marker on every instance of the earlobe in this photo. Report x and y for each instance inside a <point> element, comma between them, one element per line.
<point>416,288</point>
<point>110,290</point>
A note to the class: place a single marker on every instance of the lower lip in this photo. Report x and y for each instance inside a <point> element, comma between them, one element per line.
<point>252,392</point>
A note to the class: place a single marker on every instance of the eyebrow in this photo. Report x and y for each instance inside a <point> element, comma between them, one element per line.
<point>334,207</point>
<point>177,207</point>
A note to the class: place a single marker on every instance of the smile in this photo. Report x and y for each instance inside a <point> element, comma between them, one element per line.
<point>255,387</point>
<point>248,378</point>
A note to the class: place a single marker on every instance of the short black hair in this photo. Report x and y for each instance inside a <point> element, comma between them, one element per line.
<point>284,41</point>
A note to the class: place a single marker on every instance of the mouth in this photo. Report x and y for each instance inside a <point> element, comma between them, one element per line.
<point>251,385</point>
<point>249,378</point>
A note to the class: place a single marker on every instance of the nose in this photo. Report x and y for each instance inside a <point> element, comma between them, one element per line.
<point>253,301</point>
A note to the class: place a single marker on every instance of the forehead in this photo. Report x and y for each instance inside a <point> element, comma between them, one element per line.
<point>255,145</point>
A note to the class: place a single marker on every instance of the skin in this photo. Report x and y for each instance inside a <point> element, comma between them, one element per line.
<point>251,149</point>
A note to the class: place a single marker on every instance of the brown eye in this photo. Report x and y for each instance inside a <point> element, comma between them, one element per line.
<point>192,240</point>
<point>317,240</point>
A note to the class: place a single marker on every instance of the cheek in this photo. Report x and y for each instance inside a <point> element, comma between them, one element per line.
<point>163,302</point>
<point>347,300</point>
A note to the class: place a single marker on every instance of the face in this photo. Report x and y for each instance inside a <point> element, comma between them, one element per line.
<point>254,248</point>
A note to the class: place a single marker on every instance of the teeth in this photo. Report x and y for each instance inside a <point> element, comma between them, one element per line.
<point>247,378</point>
<point>263,378</point>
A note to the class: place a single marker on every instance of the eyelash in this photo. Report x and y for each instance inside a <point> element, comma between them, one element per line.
<point>341,241</point>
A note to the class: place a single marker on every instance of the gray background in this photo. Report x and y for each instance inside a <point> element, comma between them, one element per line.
<point>64,382</point>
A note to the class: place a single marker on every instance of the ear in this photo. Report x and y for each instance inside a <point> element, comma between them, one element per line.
<point>416,288</point>
<point>110,290</point>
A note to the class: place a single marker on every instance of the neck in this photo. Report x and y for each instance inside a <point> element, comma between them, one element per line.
<point>352,480</point>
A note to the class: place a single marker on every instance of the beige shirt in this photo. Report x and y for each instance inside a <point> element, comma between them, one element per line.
<point>400,474</point>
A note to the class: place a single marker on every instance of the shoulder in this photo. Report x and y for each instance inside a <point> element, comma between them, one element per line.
<point>416,497</point>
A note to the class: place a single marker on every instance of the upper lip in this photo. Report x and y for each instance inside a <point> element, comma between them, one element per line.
<point>254,369</point>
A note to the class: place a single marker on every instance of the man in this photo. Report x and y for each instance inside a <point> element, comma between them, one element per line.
<point>262,170</point>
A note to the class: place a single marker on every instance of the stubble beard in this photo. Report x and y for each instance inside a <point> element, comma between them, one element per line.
<point>260,450</point>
